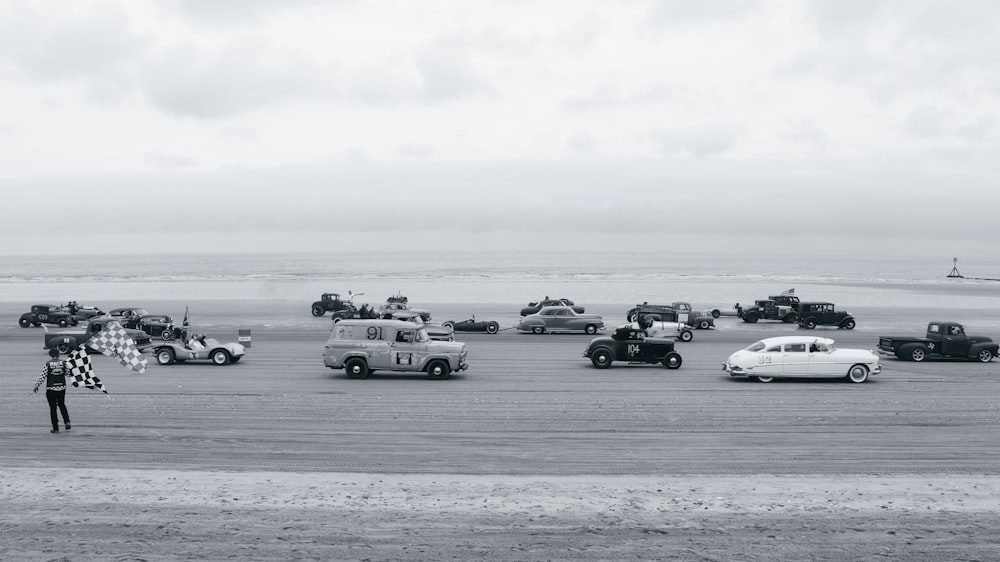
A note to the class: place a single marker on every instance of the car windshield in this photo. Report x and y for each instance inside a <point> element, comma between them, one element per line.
<point>757,346</point>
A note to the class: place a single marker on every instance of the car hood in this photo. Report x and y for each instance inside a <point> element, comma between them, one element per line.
<point>446,347</point>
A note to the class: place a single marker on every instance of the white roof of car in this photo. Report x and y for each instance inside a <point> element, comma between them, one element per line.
<point>795,339</point>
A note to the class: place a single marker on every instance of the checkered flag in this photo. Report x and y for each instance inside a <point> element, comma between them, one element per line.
<point>79,371</point>
<point>114,341</point>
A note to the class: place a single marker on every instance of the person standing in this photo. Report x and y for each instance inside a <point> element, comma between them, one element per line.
<point>54,377</point>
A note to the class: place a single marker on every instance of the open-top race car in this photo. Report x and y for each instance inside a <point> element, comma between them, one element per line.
<point>473,325</point>
<point>632,344</point>
<point>198,348</point>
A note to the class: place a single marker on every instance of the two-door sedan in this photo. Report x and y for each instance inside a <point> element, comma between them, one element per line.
<point>560,319</point>
<point>801,356</point>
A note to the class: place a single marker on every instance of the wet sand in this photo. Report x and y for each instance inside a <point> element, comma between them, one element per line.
<point>530,454</point>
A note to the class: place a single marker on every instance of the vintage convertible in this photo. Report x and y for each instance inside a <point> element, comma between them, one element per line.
<point>560,319</point>
<point>198,348</point>
<point>801,356</point>
<point>473,325</point>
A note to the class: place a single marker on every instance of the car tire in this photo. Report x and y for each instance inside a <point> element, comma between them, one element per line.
<point>438,370</point>
<point>716,313</point>
<point>63,323</point>
<point>751,317</point>
<point>537,329</point>
<point>685,335</point>
<point>167,334</point>
<point>165,356</point>
<point>590,329</point>
<point>633,316</point>
<point>703,325</point>
<point>64,347</point>
<point>809,324</point>
<point>74,321</point>
<point>764,379</point>
<point>602,358</point>
<point>985,356</point>
<point>220,357</point>
<point>318,311</point>
<point>857,374</point>
<point>24,322</point>
<point>848,324</point>
<point>492,328</point>
<point>790,318</point>
<point>449,324</point>
<point>356,368</point>
<point>918,353</point>
<point>672,360</point>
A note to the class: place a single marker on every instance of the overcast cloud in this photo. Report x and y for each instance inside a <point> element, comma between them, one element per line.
<point>852,126</point>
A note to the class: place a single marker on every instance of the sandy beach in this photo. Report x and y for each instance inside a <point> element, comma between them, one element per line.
<point>530,454</point>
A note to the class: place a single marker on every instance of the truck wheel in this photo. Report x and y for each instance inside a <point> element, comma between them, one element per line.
<point>703,325</point>
<point>537,329</point>
<point>985,356</point>
<point>63,323</point>
<point>492,328</point>
<point>165,356</point>
<point>809,324</point>
<point>590,329</point>
<point>790,317</point>
<point>672,360</point>
<point>686,335</point>
<point>848,324</point>
<point>318,311</point>
<point>857,374</point>
<point>220,357</point>
<point>356,368</point>
<point>438,370</point>
<point>601,358</point>
<point>918,353</point>
<point>716,313</point>
<point>24,322</point>
<point>751,318</point>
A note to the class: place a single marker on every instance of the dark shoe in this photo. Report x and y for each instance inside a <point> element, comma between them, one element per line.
<point>54,431</point>
<point>68,427</point>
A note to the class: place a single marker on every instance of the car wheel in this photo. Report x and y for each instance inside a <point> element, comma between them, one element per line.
<point>492,328</point>
<point>63,347</point>
<point>858,374</point>
<point>672,360</point>
<point>751,317</point>
<point>985,356</point>
<point>764,379</point>
<point>537,329</point>
<point>686,335</point>
<point>918,353</point>
<point>601,358</point>
<point>74,321</point>
<point>165,357</point>
<point>220,357</point>
<point>703,325</point>
<point>716,313</point>
<point>449,324</point>
<point>167,334</point>
<point>356,368</point>
<point>790,317</point>
<point>63,323</point>
<point>318,311</point>
<point>590,329</point>
<point>632,316</point>
<point>438,370</point>
<point>848,324</point>
<point>24,322</point>
<point>809,324</point>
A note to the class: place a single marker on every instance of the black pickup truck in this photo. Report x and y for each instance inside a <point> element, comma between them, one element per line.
<point>943,339</point>
<point>66,340</point>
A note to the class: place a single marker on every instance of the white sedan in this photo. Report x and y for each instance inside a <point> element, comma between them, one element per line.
<point>801,356</point>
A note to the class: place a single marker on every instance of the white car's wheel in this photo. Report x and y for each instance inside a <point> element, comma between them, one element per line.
<point>165,356</point>
<point>686,335</point>
<point>220,357</point>
<point>857,374</point>
<point>764,379</point>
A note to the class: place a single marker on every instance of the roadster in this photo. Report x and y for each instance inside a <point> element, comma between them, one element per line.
<point>473,325</point>
<point>198,349</point>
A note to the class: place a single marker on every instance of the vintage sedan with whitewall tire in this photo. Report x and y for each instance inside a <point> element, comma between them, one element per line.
<point>202,349</point>
<point>560,319</point>
<point>801,357</point>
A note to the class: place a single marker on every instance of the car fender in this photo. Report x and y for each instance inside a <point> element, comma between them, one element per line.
<point>975,348</point>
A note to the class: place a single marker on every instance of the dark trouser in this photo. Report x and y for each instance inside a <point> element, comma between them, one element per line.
<point>57,398</point>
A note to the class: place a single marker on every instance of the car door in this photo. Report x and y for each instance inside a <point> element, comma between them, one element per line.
<point>795,360</point>
<point>822,362</point>
<point>955,343</point>
<point>377,346</point>
<point>403,352</point>
<point>557,318</point>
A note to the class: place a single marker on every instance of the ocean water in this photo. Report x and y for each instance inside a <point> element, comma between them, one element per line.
<point>501,277</point>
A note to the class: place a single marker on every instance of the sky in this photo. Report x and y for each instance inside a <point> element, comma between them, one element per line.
<point>839,126</point>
